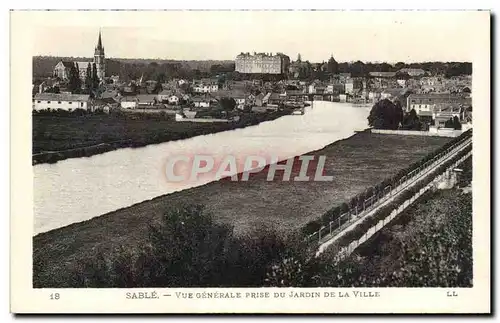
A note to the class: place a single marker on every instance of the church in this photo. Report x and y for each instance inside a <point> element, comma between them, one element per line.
<point>62,69</point>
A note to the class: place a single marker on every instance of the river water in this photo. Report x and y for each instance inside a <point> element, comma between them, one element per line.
<point>78,189</point>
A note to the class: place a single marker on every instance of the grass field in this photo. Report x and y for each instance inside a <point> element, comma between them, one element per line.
<point>355,163</point>
<point>56,133</point>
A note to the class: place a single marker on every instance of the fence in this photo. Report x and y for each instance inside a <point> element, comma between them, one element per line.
<point>436,133</point>
<point>345,219</point>
<point>347,250</point>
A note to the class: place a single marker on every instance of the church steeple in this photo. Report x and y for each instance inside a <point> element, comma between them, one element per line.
<point>99,59</point>
<point>99,50</point>
<point>99,42</point>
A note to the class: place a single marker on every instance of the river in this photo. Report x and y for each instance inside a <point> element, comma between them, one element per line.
<point>78,189</point>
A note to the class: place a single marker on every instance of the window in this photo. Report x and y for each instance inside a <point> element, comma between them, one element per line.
<point>39,101</point>
<point>58,102</point>
<point>70,102</point>
<point>48,101</point>
<point>81,104</point>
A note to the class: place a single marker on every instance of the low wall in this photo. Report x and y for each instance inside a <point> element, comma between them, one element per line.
<point>438,133</point>
<point>202,120</point>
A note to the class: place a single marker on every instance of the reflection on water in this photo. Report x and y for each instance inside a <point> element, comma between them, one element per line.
<point>75,190</point>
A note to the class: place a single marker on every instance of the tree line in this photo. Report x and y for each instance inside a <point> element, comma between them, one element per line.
<point>132,69</point>
<point>362,69</point>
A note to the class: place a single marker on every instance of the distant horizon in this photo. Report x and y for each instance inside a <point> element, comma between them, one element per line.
<point>232,60</point>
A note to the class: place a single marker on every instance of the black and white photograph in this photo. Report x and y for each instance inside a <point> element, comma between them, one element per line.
<point>218,156</point>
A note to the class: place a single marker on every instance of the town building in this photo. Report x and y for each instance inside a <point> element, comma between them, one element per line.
<point>55,101</point>
<point>200,102</point>
<point>382,74</point>
<point>205,86</point>
<point>353,85</point>
<point>146,100</point>
<point>438,106</point>
<point>426,102</point>
<point>414,72</point>
<point>262,63</point>
<point>128,102</point>
<point>62,69</point>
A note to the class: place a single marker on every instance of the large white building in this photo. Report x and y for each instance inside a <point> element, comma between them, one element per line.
<point>68,102</point>
<point>262,63</point>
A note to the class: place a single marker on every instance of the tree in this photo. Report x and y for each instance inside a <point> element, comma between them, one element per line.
<point>160,78</point>
<point>74,81</point>
<point>399,65</point>
<point>411,121</point>
<point>95,77</point>
<point>227,104</point>
<point>385,115</point>
<point>456,123</point>
<point>385,67</point>
<point>88,77</point>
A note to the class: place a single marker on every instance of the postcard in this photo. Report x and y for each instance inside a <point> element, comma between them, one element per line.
<point>250,161</point>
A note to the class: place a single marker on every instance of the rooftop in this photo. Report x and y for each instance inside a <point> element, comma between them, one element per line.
<point>61,97</point>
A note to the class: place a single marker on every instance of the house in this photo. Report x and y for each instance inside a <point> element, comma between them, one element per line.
<point>265,100</point>
<point>173,99</point>
<point>205,86</point>
<point>240,100</point>
<point>105,104</point>
<point>414,72</point>
<point>128,102</point>
<point>164,95</point>
<point>352,85</point>
<point>262,99</point>
<point>401,82</point>
<point>438,106</point>
<point>382,74</point>
<point>276,98</point>
<point>200,102</point>
<point>259,99</point>
<point>146,100</point>
<point>445,112</point>
<point>427,102</point>
<point>68,102</point>
<point>335,88</point>
<point>110,94</point>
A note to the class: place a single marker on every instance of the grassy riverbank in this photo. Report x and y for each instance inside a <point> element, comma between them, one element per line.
<point>355,163</point>
<point>63,137</point>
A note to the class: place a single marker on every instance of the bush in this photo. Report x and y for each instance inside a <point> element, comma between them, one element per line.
<point>188,249</point>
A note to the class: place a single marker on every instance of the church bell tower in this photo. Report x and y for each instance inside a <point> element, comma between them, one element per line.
<point>99,59</point>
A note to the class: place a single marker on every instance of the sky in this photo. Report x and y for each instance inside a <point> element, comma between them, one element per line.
<point>383,36</point>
